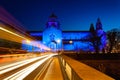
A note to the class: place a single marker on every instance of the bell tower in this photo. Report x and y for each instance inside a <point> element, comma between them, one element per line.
<point>98,24</point>
<point>52,35</point>
<point>53,21</point>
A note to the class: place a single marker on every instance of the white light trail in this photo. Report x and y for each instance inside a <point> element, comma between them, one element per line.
<point>36,44</point>
<point>11,32</point>
<point>7,68</point>
<point>26,71</point>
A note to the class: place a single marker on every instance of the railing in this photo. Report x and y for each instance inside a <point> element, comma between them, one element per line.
<point>68,72</point>
<point>74,70</point>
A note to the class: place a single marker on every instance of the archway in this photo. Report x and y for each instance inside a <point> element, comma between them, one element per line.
<point>53,46</point>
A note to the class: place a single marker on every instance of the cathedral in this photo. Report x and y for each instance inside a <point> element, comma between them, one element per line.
<point>56,39</point>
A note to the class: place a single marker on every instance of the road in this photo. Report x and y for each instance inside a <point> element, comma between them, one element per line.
<point>24,68</point>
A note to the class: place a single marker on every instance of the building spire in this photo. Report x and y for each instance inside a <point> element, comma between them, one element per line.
<point>92,28</point>
<point>53,15</point>
<point>98,24</point>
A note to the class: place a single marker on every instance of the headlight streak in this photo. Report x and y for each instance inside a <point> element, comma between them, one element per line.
<point>11,32</point>
<point>7,68</point>
<point>25,38</point>
<point>26,71</point>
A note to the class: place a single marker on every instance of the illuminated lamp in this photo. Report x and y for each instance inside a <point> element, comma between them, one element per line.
<point>70,42</point>
<point>58,41</point>
<point>28,41</point>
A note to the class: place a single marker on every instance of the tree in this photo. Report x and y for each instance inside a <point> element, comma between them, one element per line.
<point>113,38</point>
<point>97,37</point>
<point>94,39</point>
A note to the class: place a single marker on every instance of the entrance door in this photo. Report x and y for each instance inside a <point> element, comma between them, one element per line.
<point>53,46</point>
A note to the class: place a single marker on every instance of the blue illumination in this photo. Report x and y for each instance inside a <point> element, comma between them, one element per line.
<point>74,35</point>
<point>103,39</point>
<point>52,35</point>
<point>36,34</point>
<point>32,46</point>
<point>54,38</point>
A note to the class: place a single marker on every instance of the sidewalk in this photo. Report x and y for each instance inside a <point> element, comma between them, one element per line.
<point>54,71</point>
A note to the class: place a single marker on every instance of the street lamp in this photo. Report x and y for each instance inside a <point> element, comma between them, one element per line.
<point>70,41</point>
<point>58,41</point>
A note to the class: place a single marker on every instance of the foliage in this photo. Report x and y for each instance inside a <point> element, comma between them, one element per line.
<point>114,39</point>
<point>94,39</point>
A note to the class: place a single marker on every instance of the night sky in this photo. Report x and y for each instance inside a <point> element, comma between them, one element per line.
<point>72,14</point>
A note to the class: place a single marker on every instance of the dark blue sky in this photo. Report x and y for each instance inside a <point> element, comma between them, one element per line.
<point>72,14</point>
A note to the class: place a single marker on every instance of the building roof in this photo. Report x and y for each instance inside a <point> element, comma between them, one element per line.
<point>73,31</point>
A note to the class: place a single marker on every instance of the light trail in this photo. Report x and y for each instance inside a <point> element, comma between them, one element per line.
<point>26,71</point>
<point>21,38</point>
<point>7,68</point>
<point>15,33</point>
<point>12,33</point>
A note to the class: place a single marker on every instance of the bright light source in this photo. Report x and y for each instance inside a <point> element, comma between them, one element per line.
<point>70,42</point>
<point>58,41</point>
<point>28,41</point>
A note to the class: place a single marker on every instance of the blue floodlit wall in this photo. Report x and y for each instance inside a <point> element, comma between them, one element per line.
<point>77,40</point>
<point>75,35</point>
<point>52,37</point>
<point>32,46</point>
<point>103,39</point>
